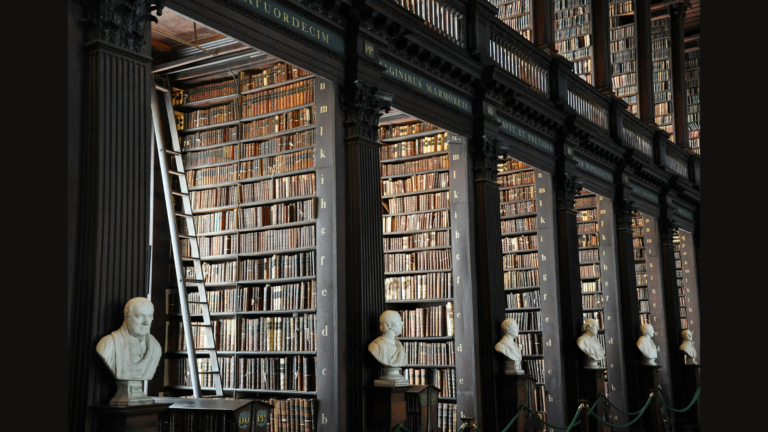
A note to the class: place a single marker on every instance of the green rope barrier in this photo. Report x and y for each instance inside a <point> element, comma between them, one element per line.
<point>513,419</point>
<point>574,422</point>
<point>594,405</point>
<point>608,401</point>
<point>640,414</point>
<point>695,397</point>
<point>399,426</point>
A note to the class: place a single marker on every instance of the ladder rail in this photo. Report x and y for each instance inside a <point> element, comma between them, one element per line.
<point>175,246</point>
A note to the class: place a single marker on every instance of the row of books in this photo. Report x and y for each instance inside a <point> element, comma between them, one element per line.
<point>645,318</point>
<point>517,179</point>
<point>569,32</point>
<point>641,279</point>
<point>586,215</point>
<point>592,301</point>
<point>589,255</point>
<point>205,91</point>
<point>515,225</point>
<point>624,67</point>
<point>277,239</point>
<point>446,417</point>
<point>278,164</point>
<point>416,203</point>
<point>416,241</point>
<point>275,214</point>
<point>434,321</point>
<point>210,246</point>
<point>223,332</point>
<point>278,99</point>
<point>292,415</point>
<point>535,367</point>
<point>645,305</point>
<point>205,157</point>
<point>622,32</point>
<point>416,147</point>
<point>517,208</point>
<point>622,44</point>
<point>574,43</point>
<point>278,266</point>
<point>179,373</point>
<point>266,334</point>
<point>639,254</point>
<point>443,379</point>
<point>620,8</point>
<point>301,295</point>
<point>514,8</point>
<point>394,131</point>
<point>518,23</point>
<point>582,67</point>
<point>419,287</point>
<point>295,373</point>
<point>409,167</point>
<point>528,299</point>
<point>513,261</point>
<point>638,242</point>
<point>624,81</point>
<point>420,182</point>
<point>430,353</point>
<point>279,123</point>
<point>215,272</point>
<point>591,286</point>
<point>524,242</point>
<point>623,56</point>
<point>283,187</point>
<point>589,201</point>
<point>530,320</point>
<point>278,73</point>
<point>279,144</point>
<point>212,175</point>
<point>218,301</point>
<point>209,137</point>
<point>414,222</point>
<point>530,343</point>
<point>206,117</point>
<point>521,278</point>
<point>511,165</point>
<point>588,240</point>
<point>416,261</point>
<point>212,198</point>
<point>589,271</point>
<point>580,53</point>
<point>516,194</point>
<point>596,315</point>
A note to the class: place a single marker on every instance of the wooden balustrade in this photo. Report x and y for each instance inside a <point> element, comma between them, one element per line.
<point>441,16</point>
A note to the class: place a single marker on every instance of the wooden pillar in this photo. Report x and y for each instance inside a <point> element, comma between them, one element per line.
<point>644,63</point>
<point>113,189</point>
<point>624,207</point>
<point>676,18</point>
<point>543,25</point>
<point>489,297</point>
<point>601,58</point>
<point>567,185</point>
<point>364,296</point>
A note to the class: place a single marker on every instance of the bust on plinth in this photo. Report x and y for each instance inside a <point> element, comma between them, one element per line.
<point>646,346</point>
<point>131,353</point>
<point>509,348</point>
<point>688,348</point>
<point>590,345</point>
<point>389,351</point>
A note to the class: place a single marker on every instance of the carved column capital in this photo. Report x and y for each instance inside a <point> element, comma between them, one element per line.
<point>625,210</point>
<point>567,187</point>
<point>668,229</point>
<point>485,155</point>
<point>119,22</point>
<point>363,106</point>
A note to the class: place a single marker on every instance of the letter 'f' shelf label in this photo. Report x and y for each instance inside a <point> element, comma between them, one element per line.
<point>297,23</point>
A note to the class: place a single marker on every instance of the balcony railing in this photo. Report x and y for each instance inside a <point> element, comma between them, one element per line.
<point>587,107</point>
<point>676,165</point>
<point>440,16</point>
<point>518,64</point>
<point>637,141</point>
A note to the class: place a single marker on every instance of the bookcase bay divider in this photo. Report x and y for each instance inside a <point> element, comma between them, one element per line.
<point>323,245</point>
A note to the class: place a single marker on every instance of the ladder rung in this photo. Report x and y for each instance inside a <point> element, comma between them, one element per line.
<point>193,302</point>
<point>183,215</point>
<point>181,194</point>
<point>181,174</point>
<point>208,373</point>
<point>213,396</point>
<point>173,152</point>
<point>187,236</point>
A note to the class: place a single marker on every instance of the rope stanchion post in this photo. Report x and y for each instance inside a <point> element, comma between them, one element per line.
<point>584,419</point>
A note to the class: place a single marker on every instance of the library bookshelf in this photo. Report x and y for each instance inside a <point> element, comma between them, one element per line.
<point>623,51</point>
<point>573,35</point>
<point>516,14</point>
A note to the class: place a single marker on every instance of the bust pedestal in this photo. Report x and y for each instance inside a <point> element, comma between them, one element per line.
<point>649,379</point>
<point>392,377</point>
<point>511,392</point>
<point>690,420</point>
<point>385,407</point>
<point>591,384</point>
<point>130,393</point>
<point>136,418</point>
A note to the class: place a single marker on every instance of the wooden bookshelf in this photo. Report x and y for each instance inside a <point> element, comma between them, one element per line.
<point>419,255</point>
<point>599,283</point>
<point>661,55</point>
<point>692,95</point>
<point>517,14</point>
<point>687,285</point>
<point>623,51</point>
<point>527,241</point>
<point>573,35</point>
<point>274,212</point>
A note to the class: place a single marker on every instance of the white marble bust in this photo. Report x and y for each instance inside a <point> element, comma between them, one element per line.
<point>389,351</point>
<point>590,345</point>
<point>509,348</point>
<point>131,353</point>
<point>646,346</point>
<point>688,348</point>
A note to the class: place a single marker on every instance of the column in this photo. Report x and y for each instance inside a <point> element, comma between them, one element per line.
<point>644,63</point>
<point>543,25</point>
<point>113,187</point>
<point>676,17</point>
<point>602,55</point>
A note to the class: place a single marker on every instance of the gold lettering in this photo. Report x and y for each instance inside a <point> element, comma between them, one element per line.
<point>324,292</point>
<point>276,13</point>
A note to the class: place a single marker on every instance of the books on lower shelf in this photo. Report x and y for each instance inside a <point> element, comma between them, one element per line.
<point>272,334</point>
<point>179,374</point>
<point>416,203</point>
<point>434,321</point>
<point>446,417</point>
<point>223,330</point>
<point>293,414</point>
<point>530,320</point>
<point>443,379</point>
<point>207,117</point>
<point>277,373</point>
<point>430,353</point>
<point>419,287</point>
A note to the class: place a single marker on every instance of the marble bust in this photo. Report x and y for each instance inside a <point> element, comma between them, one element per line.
<point>389,351</point>
<point>509,348</point>
<point>590,345</point>
<point>688,348</point>
<point>131,353</point>
<point>646,346</point>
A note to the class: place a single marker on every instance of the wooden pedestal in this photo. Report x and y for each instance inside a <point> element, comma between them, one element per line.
<point>591,384</point>
<point>384,408</point>
<point>136,418</point>
<point>421,408</point>
<point>649,379</point>
<point>511,392</point>
<point>690,420</point>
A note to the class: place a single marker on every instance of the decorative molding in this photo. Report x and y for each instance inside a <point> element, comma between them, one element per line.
<point>624,210</point>
<point>119,22</point>
<point>567,187</point>
<point>362,106</point>
<point>486,158</point>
